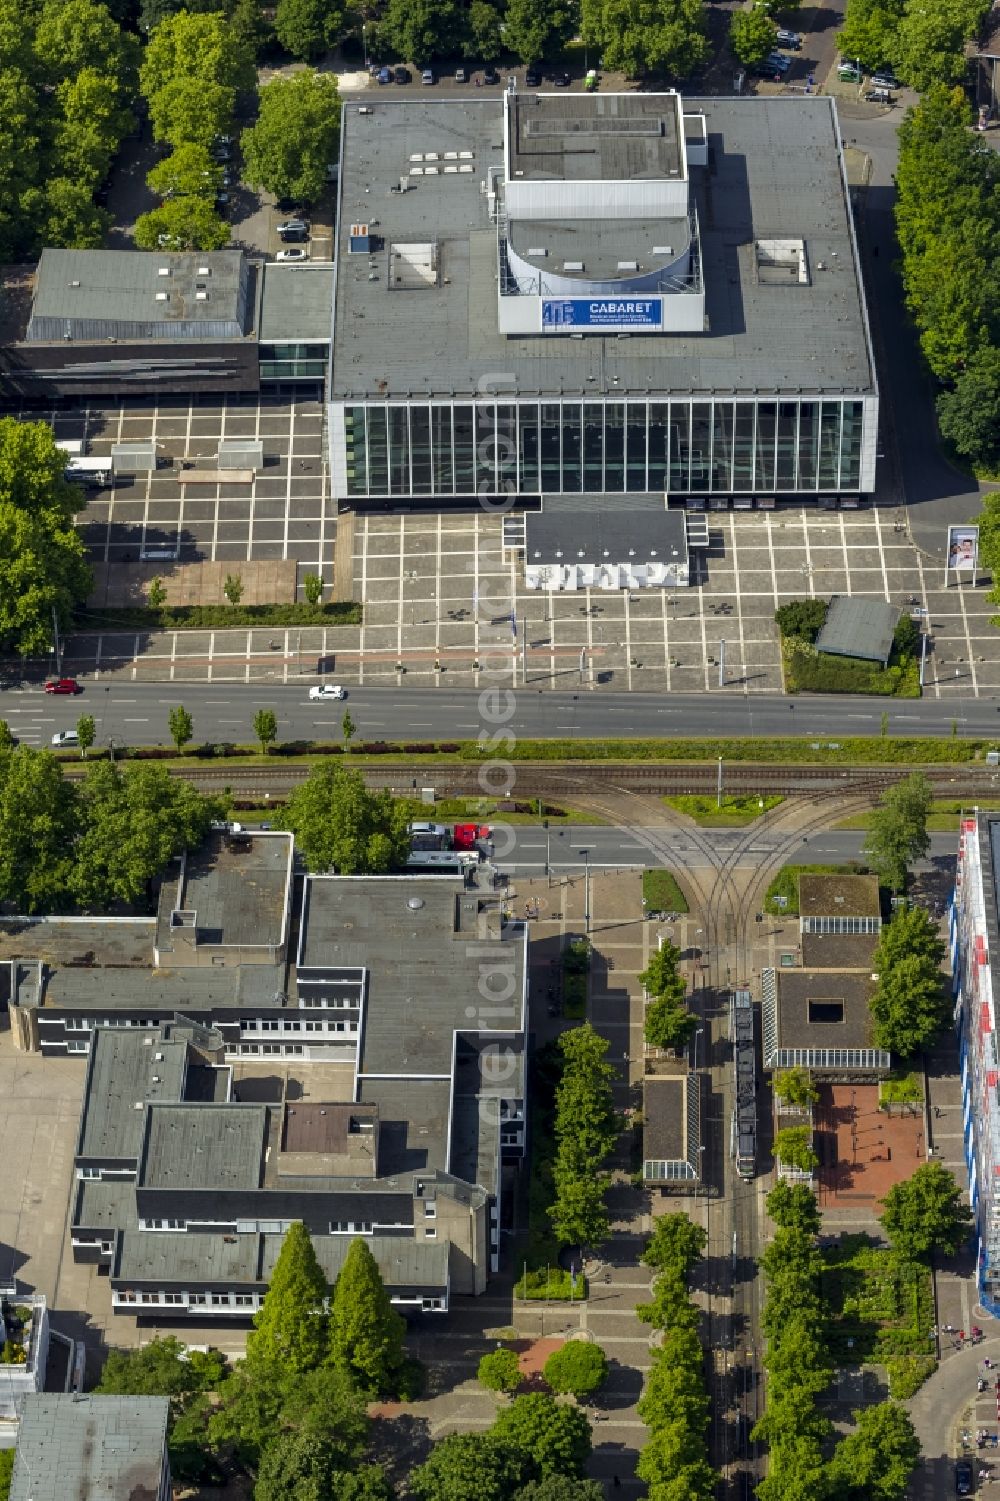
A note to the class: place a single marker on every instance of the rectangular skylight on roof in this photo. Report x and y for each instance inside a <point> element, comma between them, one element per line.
<point>163,271</point>
<point>572,265</point>
<point>163,296</point>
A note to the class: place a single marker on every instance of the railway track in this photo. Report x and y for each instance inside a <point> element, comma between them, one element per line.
<point>546,779</point>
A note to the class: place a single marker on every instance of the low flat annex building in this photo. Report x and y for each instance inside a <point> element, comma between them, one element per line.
<point>603,295</point>
<point>131,322</point>
<point>190,1164</point>
<point>72,1447</point>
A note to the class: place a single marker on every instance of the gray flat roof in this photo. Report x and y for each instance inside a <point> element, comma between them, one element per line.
<point>79,941</point>
<point>403,1263</point>
<point>237,889</point>
<point>596,536</point>
<point>204,1146</point>
<point>121,294</point>
<point>424,964</point>
<point>775,173</point>
<point>89,1448</point>
<point>180,1255</point>
<point>126,1069</point>
<point>664,1118</point>
<point>837,950</point>
<point>798,989</point>
<point>297,302</point>
<point>413,1124</point>
<point>594,138</point>
<point>859,627</point>
<point>843,895</point>
<point>164,990</point>
<point>105,1204</point>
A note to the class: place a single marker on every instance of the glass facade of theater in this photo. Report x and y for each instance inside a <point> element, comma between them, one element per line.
<point>719,446</point>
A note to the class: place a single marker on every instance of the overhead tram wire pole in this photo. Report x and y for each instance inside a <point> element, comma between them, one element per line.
<point>586,891</point>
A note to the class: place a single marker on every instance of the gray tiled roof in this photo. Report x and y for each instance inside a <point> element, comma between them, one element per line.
<point>664,1118</point>
<point>90,1448</point>
<point>857,627</point>
<point>774,173</point>
<point>401,1262</point>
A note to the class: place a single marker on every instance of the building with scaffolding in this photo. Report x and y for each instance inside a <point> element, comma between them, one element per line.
<point>975,945</point>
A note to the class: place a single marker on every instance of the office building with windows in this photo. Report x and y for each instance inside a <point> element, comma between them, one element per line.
<point>975,945</point>
<point>615,296</point>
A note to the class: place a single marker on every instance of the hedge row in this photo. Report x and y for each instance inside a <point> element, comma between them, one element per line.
<point>216,617</point>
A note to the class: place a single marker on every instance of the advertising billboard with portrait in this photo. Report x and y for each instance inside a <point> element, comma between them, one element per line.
<point>963,548</point>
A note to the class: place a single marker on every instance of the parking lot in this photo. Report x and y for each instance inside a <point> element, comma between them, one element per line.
<point>281,514</point>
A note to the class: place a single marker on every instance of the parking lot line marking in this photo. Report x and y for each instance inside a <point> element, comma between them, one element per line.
<point>881,554</point>
<point>968,642</point>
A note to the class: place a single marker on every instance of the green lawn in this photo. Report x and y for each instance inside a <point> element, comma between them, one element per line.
<point>943,818</point>
<point>902,1087</point>
<point>734,813</point>
<point>786,884</point>
<point>661,893</point>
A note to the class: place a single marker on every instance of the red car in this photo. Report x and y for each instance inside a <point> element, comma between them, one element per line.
<point>468,835</point>
<point>63,685</point>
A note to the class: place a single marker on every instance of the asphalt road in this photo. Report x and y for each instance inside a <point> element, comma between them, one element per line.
<point>136,714</point>
<point>622,847</point>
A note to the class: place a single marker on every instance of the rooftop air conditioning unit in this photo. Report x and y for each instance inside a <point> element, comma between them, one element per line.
<point>358,229</point>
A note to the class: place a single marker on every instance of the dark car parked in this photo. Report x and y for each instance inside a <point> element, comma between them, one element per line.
<point>401,74</point>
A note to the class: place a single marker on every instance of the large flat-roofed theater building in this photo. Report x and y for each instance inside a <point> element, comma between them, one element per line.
<point>975,946</point>
<point>189,1169</point>
<point>616,295</point>
<point>120,323</point>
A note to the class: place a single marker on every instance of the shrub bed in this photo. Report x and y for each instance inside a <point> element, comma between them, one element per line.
<point>215,617</point>
<point>551,1284</point>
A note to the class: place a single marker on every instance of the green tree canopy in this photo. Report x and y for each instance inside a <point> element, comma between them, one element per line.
<point>366,1332</point>
<point>578,1368</point>
<point>792,1148</point>
<point>132,821</point>
<point>969,414</point>
<point>37,824</point>
<point>930,42</point>
<point>500,1371</point>
<point>72,35</point>
<point>190,110</point>
<point>794,1086</point>
<point>486,30</point>
<point>793,1206</point>
<point>804,618</point>
<point>198,47</point>
<point>297,1467</point>
<point>290,1327</point>
<point>908,1006</point>
<point>897,831</point>
<point>676,1244</point>
<point>181,726</point>
<point>926,1213</point>
<point>870,32</point>
<point>188,172</point>
<point>265,727</point>
<point>295,137</point>
<point>42,562</point>
<point>535,29</point>
<point>752,35</point>
<point>585,1112</point>
<point>182,224</point>
<point>561,1488</point>
<point>875,1462</point>
<point>642,36</point>
<point>338,824</point>
<point>472,1467</point>
<point>660,977</point>
<point>422,29</point>
<point>162,1368</point>
<point>554,1435</point>
<point>669,1024</point>
<point>308,28</point>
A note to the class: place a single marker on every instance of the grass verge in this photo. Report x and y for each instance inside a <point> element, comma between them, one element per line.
<point>942,819</point>
<point>734,813</point>
<point>661,893</point>
<point>786,885</point>
<point>808,671</point>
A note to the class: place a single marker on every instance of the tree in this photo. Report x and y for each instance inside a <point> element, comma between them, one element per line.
<point>308,28</point>
<point>162,1368</point>
<point>471,1467</point>
<point>677,1244</point>
<point>578,1212</point>
<point>794,1206</point>
<point>802,617</point>
<point>265,727</point>
<point>42,561</point>
<point>349,729</point>
<point>75,34</point>
<point>248,27</point>
<point>926,1213</point>
<point>561,1488</point>
<point>871,31</point>
<point>7,740</point>
<point>86,733</point>
<point>297,1467</point>
<point>181,224</point>
<point>500,1371</point>
<point>364,1483</point>
<point>668,1024</point>
<point>339,825</point>
<point>534,29</point>
<point>675,1387</point>
<point>181,727</point>
<point>576,1369</point>
<point>989,540</point>
<point>878,1458</point>
<point>198,47</point>
<point>752,35</point>
<point>796,1472</point>
<point>7,1473</point>
<point>422,29</point>
<point>643,36</point>
<point>312,586</point>
<point>366,1332</point>
<point>792,1149</point>
<point>130,822</point>
<point>191,109</point>
<point>671,1308</point>
<point>485,30</point>
<point>555,1436</point>
<point>969,415</point>
<point>188,172</point>
<point>155,594</point>
<point>233,588</point>
<point>660,976</point>
<point>295,137</point>
<point>794,1086</point>
<point>585,1112</point>
<point>38,816</point>
<point>930,44</point>
<point>908,1006</point>
<point>897,832</point>
<point>290,1327</point>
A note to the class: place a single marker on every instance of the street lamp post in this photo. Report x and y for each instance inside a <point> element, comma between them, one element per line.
<point>718,786</point>
<point>586,891</point>
<point>548,852</point>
